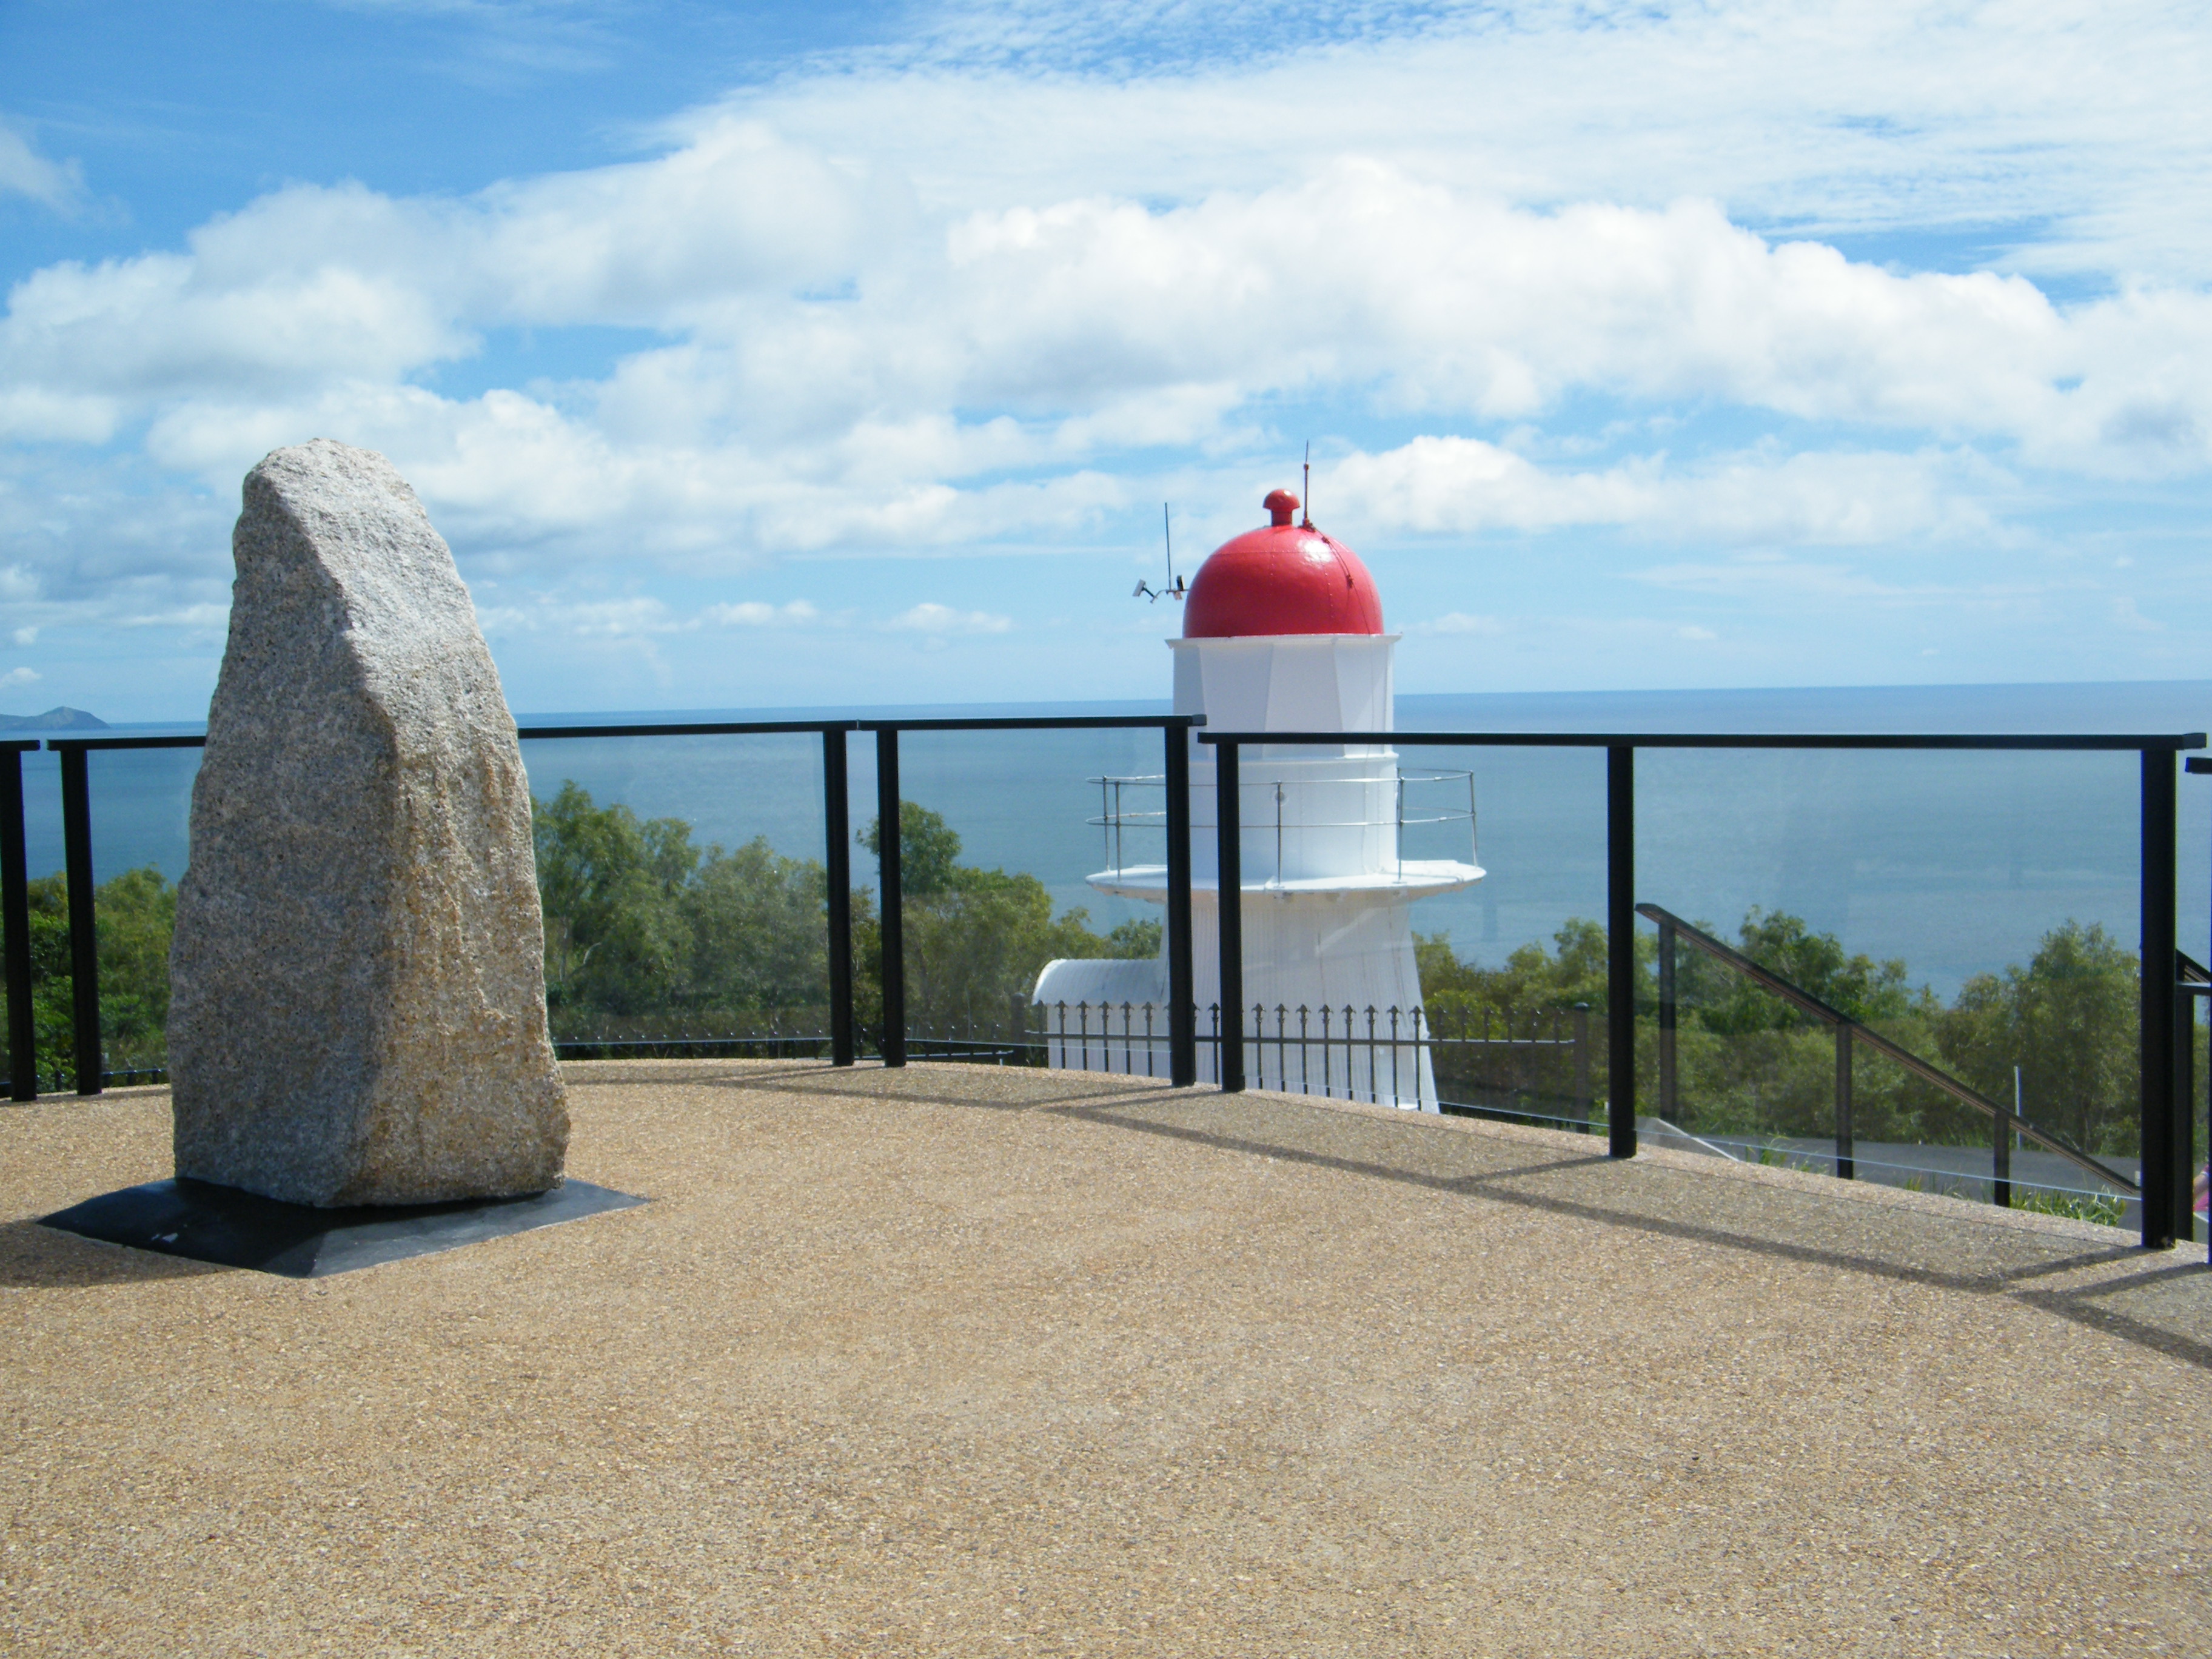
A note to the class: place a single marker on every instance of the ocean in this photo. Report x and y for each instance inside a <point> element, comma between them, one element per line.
<point>1957,864</point>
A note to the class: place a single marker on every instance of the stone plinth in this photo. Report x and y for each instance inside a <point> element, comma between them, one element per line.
<point>358,992</point>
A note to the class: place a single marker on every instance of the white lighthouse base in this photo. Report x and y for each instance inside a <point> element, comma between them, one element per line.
<point>1332,993</point>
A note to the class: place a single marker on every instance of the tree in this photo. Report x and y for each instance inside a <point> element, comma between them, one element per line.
<point>610,884</point>
<point>1786,945</point>
<point>975,939</point>
<point>929,850</point>
<point>135,914</point>
<point>758,935</point>
<point>1533,978</point>
<point>645,929</point>
<point>1751,1062</point>
<point>2069,1021</point>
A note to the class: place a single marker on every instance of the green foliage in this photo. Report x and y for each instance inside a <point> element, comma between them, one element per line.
<point>929,850</point>
<point>639,922</point>
<point>1536,992</point>
<point>646,932</point>
<point>1134,941</point>
<point>136,913</point>
<point>1533,978</point>
<point>1872,991</point>
<point>1749,1062</point>
<point>2069,1021</point>
<point>975,939</point>
<point>2106,1212</point>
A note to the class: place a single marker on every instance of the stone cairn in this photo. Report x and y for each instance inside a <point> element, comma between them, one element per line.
<point>357,1010</point>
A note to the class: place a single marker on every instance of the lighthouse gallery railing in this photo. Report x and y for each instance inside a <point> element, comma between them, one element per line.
<point>1116,820</point>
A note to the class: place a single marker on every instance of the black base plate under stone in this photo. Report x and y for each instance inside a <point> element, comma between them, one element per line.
<point>203,1222</point>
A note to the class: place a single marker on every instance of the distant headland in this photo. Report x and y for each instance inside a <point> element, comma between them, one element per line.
<point>63,719</point>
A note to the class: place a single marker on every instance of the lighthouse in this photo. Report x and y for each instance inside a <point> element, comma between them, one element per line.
<point>1282,632</point>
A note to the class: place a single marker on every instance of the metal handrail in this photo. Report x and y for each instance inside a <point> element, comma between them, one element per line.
<point>1861,1032</point>
<point>2064,742</point>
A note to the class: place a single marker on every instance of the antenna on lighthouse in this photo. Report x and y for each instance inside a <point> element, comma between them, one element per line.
<point>1307,481</point>
<point>1174,589</point>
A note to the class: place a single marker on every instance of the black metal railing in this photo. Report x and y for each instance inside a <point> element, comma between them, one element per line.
<point>2167,1128</point>
<point>90,1072</point>
<point>15,924</point>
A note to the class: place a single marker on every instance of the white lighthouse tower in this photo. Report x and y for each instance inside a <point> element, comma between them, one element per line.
<point>1282,632</point>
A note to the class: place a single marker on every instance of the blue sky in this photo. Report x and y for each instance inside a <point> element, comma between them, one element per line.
<point>844,355</point>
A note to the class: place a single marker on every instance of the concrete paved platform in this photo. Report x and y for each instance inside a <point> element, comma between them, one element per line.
<point>963,1361</point>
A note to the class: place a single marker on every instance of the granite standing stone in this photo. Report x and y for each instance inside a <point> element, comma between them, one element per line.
<point>358,984</point>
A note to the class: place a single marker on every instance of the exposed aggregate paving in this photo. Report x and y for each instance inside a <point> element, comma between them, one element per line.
<point>965,1361</point>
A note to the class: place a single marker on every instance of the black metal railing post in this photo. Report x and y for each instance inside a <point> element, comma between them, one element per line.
<point>2184,1097</point>
<point>2186,1042</point>
<point>2166,1132</point>
<point>2000,1166</point>
<point>1230,891</point>
<point>1670,1100</point>
<point>16,927</point>
<point>1620,949</point>
<point>838,865</point>
<point>1582,1066</point>
<point>893,930</point>
<point>1182,994</point>
<point>1846,1150</point>
<point>84,937</point>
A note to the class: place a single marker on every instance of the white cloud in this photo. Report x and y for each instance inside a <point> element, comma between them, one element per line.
<point>1079,330</point>
<point>2071,129</point>
<point>996,293</point>
<point>1464,486</point>
<point>24,172</point>
<point>1774,579</point>
<point>191,616</point>
<point>616,618</point>
<point>1459,621</point>
<point>633,616</point>
<point>930,617</point>
<point>756,613</point>
<point>20,675</point>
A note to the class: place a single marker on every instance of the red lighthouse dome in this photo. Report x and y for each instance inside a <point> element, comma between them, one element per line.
<point>1286,579</point>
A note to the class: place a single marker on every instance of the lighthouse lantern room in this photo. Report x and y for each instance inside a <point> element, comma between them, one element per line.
<point>1282,632</point>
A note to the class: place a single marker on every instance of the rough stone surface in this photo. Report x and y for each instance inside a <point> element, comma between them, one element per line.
<point>358,1011</point>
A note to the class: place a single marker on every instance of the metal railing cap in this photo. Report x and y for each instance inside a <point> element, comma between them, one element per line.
<point>188,740</point>
<point>1037,723</point>
<point>2054,741</point>
<point>688,729</point>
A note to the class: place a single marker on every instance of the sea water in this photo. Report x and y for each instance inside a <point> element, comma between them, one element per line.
<point>1955,863</point>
